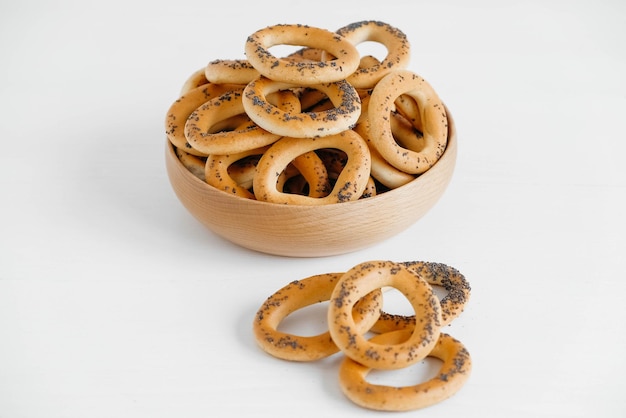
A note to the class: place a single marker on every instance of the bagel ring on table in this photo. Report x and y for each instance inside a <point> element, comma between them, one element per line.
<point>432,115</point>
<point>350,183</point>
<point>398,50</point>
<point>452,375</point>
<point>344,114</point>
<point>299,294</point>
<point>437,274</point>
<point>454,283</point>
<point>363,279</point>
<point>298,71</point>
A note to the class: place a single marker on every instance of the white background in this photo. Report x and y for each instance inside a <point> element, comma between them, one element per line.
<point>115,302</point>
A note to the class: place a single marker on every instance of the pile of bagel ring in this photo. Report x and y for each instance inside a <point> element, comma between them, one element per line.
<point>321,125</point>
<point>355,309</point>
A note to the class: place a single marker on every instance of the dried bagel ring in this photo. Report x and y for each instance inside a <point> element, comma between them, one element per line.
<point>307,169</point>
<point>396,42</point>
<point>230,71</point>
<point>382,171</point>
<point>196,79</point>
<point>438,274</point>
<point>370,189</point>
<point>368,61</point>
<point>242,171</point>
<point>312,168</point>
<point>297,295</point>
<point>217,175</point>
<point>302,124</point>
<point>456,285</point>
<point>350,184</point>
<point>199,133</point>
<point>193,163</point>
<point>335,161</point>
<point>454,372</point>
<point>181,109</point>
<point>291,181</point>
<point>310,98</point>
<point>433,118</point>
<point>297,71</point>
<point>361,280</point>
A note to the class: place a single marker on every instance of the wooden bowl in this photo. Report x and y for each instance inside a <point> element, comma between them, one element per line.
<point>312,231</point>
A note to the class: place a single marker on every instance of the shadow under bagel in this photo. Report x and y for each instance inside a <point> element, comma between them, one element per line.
<point>316,230</point>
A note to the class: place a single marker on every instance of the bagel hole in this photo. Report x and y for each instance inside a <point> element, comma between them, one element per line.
<point>307,321</point>
<point>412,375</point>
<point>439,291</point>
<point>372,48</point>
<point>313,100</point>
<point>395,303</point>
<point>334,160</point>
<point>233,123</point>
<point>292,181</point>
<point>242,171</point>
<point>284,50</point>
<point>405,132</point>
<point>296,185</point>
<point>298,52</point>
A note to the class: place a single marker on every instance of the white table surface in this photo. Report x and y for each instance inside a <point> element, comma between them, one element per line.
<point>115,302</point>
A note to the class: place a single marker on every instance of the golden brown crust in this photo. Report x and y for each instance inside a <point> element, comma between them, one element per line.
<point>436,274</point>
<point>433,118</point>
<point>218,176</point>
<point>342,116</point>
<point>201,135</point>
<point>382,171</point>
<point>301,71</point>
<point>396,42</point>
<point>230,71</point>
<point>364,278</point>
<point>180,111</point>
<point>452,375</point>
<point>354,306</point>
<point>299,294</point>
<point>350,183</point>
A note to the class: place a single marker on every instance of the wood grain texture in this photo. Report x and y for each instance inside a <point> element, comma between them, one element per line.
<point>312,231</point>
